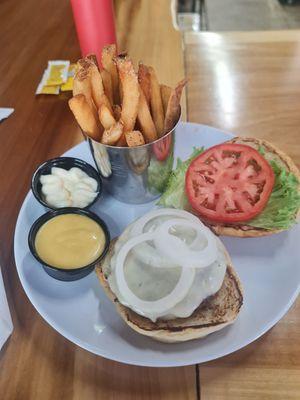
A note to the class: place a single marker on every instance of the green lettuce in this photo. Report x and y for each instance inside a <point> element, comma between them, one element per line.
<point>174,195</point>
<point>279,213</point>
<point>283,204</point>
<point>159,172</point>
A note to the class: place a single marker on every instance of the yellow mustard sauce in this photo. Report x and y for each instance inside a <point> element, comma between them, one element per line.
<point>70,241</point>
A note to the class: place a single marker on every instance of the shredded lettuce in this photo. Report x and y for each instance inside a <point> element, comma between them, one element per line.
<point>262,150</point>
<point>174,195</point>
<point>158,173</point>
<point>284,202</point>
<point>279,213</point>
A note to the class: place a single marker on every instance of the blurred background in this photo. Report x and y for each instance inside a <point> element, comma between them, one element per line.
<point>238,15</point>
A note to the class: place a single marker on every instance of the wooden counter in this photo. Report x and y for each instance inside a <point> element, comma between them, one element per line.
<point>37,363</point>
<point>247,84</point>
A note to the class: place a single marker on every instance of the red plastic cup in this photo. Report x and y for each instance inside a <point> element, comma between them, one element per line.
<point>95,25</point>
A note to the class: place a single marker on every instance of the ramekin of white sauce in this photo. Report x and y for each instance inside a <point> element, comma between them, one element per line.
<point>66,182</point>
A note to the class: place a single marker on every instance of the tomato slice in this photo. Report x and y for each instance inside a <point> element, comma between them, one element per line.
<point>161,149</point>
<point>229,183</point>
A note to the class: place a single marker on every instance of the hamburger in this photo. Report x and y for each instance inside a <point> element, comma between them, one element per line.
<point>171,278</point>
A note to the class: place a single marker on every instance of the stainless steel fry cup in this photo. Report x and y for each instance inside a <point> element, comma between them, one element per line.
<point>135,175</point>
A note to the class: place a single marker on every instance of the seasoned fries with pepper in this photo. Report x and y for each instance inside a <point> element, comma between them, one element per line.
<point>85,116</point>
<point>131,94</point>
<point>108,55</point>
<point>112,135</point>
<point>117,105</point>
<point>107,84</point>
<point>173,107</point>
<point>145,120</point>
<point>144,81</point>
<point>165,92</point>
<point>134,138</point>
<point>106,117</point>
<point>156,103</point>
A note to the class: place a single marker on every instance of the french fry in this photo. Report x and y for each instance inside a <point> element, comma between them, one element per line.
<point>89,70</point>
<point>134,138</point>
<point>117,111</point>
<point>96,85</point>
<point>106,118</point>
<point>82,85</point>
<point>144,81</point>
<point>131,94</point>
<point>120,92</point>
<point>107,83</point>
<point>83,63</point>
<point>85,116</point>
<point>93,58</point>
<point>121,55</point>
<point>145,120</point>
<point>165,92</point>
<point>117,106</point>
<point>108,55</point>
<point>157,110</point>
<point>104,100</point>
<point>113,134</point>
<point>173,108</point>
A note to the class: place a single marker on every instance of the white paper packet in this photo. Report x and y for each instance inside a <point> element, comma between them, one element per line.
<point>6,326</point>
<point>5,112</point>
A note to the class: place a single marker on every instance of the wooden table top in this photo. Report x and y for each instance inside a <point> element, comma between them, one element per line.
<point>248,83</point>
<point>242,83</point>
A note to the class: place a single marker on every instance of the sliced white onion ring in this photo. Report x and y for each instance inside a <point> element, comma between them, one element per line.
<point>178,251</point>
<point>157,306</point>
<point>138,227</point>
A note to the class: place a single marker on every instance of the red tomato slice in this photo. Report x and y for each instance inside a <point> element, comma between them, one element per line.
<point>161,149</point>
<point>229,183</point>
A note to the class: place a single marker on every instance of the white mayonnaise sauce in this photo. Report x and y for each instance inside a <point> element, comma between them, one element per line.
<point>68,188</point>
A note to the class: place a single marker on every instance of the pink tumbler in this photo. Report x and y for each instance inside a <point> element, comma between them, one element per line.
<point>94,20</point>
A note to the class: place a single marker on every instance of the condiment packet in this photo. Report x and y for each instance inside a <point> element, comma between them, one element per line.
<point>57,72</point>
<point>47,89</point>
<point>54,76</point>
<point>5,112</point>
<point>6,325</point>
<point>65,87</point>
<point>69,84</point>
<point>72,69</point>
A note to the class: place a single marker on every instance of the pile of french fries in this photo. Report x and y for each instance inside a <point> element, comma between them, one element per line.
<point>114,105</point>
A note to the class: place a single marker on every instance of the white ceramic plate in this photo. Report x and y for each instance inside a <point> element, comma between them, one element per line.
<point>268,268</point>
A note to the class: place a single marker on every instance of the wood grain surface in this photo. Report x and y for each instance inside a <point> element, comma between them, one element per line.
<point>245,83</point>
<point>248,83</point>
<point>37,363</point>
<point>247,87</point>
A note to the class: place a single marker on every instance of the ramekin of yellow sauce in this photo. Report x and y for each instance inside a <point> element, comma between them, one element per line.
<point>69,242</point>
